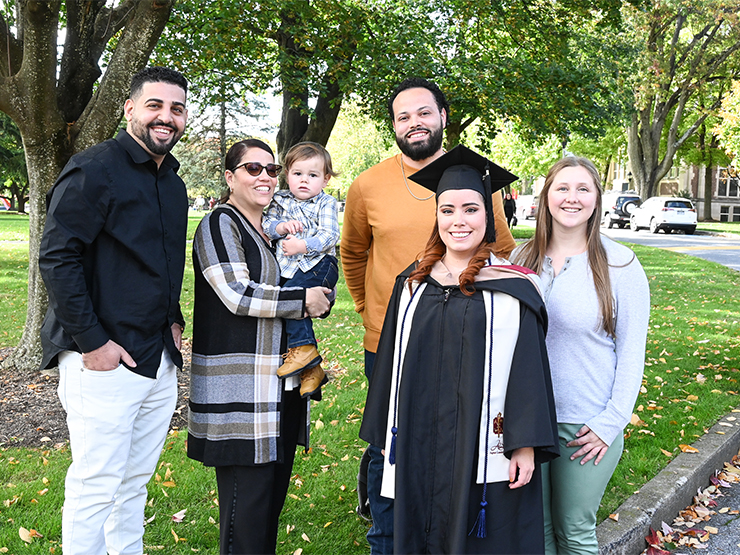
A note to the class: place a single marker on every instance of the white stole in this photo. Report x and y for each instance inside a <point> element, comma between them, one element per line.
<point>501,341</point>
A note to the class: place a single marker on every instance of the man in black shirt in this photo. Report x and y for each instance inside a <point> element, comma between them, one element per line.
<point>112,258</point>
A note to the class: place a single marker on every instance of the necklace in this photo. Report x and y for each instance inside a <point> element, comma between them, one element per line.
<point>457,273</point>
<point>403,172</point>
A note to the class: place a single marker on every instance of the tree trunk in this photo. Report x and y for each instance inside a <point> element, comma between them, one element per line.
<point>455,130</point>
<point>222,142</point>
<point>708,171</point>
<point>452,136</point>
<point>43,170</point>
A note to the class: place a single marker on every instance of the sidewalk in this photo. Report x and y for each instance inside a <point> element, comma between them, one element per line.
<point>670,491</point>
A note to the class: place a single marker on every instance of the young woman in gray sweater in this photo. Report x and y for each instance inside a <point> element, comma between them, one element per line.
<point>598,304</point>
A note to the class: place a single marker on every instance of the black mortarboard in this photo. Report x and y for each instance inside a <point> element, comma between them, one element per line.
<point>462,168</point>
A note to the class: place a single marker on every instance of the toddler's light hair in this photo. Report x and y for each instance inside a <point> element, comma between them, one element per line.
<point>307,150</point>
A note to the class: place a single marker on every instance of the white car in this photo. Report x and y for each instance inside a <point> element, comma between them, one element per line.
<point>666,213</point>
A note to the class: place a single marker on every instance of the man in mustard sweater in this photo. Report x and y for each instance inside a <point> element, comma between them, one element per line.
<point>387,222</point>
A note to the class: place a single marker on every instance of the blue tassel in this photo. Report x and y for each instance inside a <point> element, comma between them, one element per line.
<point>480,522</point>
<point>392,454</point>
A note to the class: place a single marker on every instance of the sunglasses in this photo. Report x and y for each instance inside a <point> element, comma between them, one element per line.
<point>255,168</point>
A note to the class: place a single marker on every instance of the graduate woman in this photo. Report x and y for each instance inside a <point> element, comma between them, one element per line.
<point>598,302</point>
<point>460,394</point>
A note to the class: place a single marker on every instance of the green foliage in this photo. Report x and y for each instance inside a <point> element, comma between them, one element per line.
<point>200,166</point>
<point>551,66</point>
<point>356,144</point>
<point>14,185</point>
<point>526,158</point>
<point>728,128</point>
<point>686,57</point>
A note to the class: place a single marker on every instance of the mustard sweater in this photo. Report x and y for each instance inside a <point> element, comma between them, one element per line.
<point>385,229</point>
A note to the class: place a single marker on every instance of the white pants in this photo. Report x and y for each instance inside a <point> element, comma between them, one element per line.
<point>118,422</point>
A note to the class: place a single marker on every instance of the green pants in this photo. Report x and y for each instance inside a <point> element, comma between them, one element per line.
<point>571,495</point>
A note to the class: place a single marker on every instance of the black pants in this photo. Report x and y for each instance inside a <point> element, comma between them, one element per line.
<point>251,497</point>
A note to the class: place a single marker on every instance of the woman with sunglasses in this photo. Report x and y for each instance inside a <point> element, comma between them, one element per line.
<point>243,419</point>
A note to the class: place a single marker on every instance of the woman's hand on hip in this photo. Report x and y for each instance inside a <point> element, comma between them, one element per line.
<point>523,460</point>
<point>591,446</point>
<point>316,301</point>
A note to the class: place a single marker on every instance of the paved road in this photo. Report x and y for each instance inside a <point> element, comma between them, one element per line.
<point>724,250</point>
<point>727,541</point>
<point>719,249</point>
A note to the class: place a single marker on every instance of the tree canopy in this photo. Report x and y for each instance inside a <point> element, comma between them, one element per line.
<point>728,129</point>
<point>689,51</point>
<point>548,64</point>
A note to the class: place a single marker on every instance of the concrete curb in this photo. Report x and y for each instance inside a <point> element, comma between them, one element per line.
<point>669,492</point>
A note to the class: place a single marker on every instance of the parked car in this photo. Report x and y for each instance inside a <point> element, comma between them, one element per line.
<point>617,208</point>
<point>526,207</point>
<point>666,213</point>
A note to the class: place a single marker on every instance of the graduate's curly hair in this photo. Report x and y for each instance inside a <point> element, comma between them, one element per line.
<point>435,250</point>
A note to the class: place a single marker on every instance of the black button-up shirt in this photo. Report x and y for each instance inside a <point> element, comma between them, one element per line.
<point>113,254</point>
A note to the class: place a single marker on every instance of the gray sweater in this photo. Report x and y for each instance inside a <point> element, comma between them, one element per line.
<point>595,377</point>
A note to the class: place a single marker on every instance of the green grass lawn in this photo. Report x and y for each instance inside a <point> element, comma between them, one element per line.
<point>719,227</point>
<point>13,226</point>
<point>690,380</point>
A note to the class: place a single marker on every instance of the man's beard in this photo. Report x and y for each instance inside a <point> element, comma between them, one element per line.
<point>155,147</point>
<point>423,149</point>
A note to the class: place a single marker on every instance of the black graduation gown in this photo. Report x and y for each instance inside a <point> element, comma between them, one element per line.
<point>437,498</point>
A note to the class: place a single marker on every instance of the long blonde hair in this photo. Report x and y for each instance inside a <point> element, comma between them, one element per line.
<point>532,254</point>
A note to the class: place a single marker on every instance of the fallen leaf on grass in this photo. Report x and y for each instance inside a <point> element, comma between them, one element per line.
<point>28,535</point>
<point>327,524</point>
<point>179,516</point>
<point>692,398</point>
<point>687,448</point>
<point>666,453</point>
<point>298,551</point>
<point>169,484</point>
<point>305,537</point>
<point>178,539</point>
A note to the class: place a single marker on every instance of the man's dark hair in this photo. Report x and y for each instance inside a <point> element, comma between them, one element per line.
<point>419,83</point>
<point>157,74</point>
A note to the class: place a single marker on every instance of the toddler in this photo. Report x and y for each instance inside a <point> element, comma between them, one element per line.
<point>304,222</point>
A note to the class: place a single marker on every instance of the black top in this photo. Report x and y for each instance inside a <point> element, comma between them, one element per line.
<point>113,254</point>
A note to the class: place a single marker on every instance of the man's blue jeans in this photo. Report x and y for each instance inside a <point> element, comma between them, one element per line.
<point>380,536</point>
<point>324,274</point>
